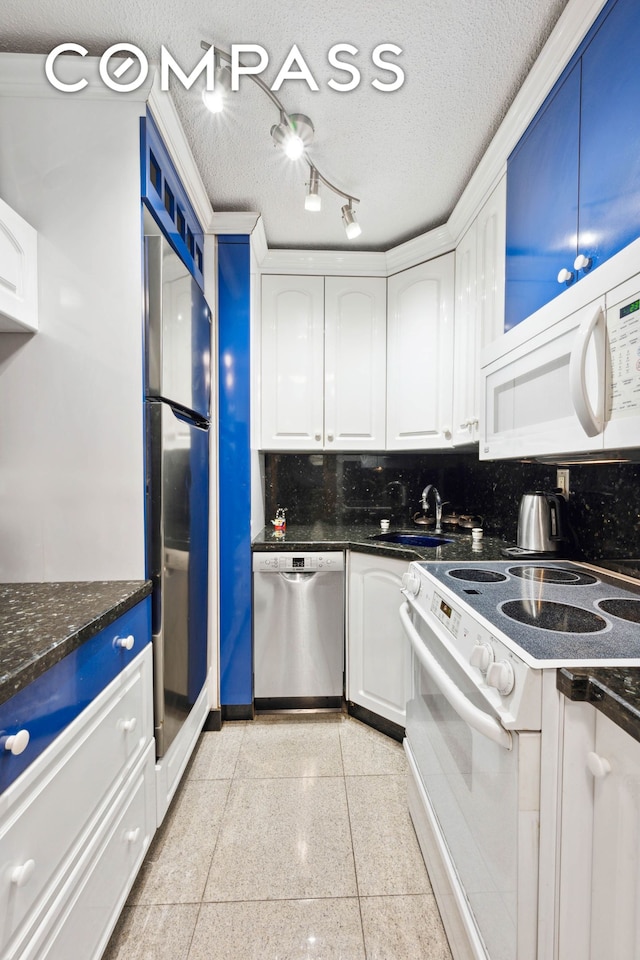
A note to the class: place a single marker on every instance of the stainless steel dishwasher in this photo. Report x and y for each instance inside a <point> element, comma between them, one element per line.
<point>298,630</point>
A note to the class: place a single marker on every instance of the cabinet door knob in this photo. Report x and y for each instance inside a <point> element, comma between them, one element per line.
<point>318,437</point>
<point>581,262</point>
<point>565,276</point>
<point>132,835</point>
<point>127,725</point>
<point>17,743</point>
<point>22,874</point>
<point>446,432</point>
<point>330,437</point>
<point>599,766</point>
<point>125,643</point>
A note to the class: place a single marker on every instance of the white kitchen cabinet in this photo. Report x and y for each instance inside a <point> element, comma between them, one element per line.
<point>599,843</point>
<point>323,363</point>
<point>420,317</point>
<point>75,826</point>
<point>18,273</point>
<point>615,886</point>
<point>377,647</point>
<point>479,309</point>
<point>355,349</point>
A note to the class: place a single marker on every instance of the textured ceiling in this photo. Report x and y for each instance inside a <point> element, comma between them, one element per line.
<point>406,155</point>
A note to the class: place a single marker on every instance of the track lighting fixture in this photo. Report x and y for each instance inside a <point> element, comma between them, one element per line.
<point>215,100</point>
<point>351,225</point>
<point>313,200</point>
<point>294,132</point>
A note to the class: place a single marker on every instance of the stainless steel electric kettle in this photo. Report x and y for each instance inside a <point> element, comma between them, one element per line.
<point>540,523</point>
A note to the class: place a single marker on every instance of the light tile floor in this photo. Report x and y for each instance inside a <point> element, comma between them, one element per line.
<point>289,839</point>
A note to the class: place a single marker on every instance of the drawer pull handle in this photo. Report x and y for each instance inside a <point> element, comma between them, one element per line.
<point>126,643</point>
<point>599,766</point>
<point>17,743</point>
<point>131,836</point>
<point>21,875</point>
<point>565,276</point>
<point>127,725</point>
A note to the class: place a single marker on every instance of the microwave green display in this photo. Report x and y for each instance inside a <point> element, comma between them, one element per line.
<point>629,308</point>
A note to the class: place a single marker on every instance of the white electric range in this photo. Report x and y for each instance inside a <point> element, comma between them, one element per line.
<point>482,732</point>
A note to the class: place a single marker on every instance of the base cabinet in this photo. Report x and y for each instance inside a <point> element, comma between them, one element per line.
<point>74,827</point>
<point>377,648</point>
<point>600,839</point>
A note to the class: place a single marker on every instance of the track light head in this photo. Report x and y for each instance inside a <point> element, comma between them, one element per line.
<point>214,100</point>
<point>313,200</point>
<point>294,134</point>
<point>351,225</point>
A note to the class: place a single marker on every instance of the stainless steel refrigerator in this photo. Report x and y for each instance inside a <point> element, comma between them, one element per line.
<point>177,410</point>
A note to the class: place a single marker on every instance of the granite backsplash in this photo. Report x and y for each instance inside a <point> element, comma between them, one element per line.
<point>603,509</point>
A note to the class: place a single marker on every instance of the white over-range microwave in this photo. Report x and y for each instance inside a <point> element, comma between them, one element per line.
<point>566,381</point>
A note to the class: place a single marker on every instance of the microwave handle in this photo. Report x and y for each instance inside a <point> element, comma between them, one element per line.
<point>466,710</point>
<point>592,422</point>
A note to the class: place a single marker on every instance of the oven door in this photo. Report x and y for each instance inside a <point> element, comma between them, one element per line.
<point>481,789</point>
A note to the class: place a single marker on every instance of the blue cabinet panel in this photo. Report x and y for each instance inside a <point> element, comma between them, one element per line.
<point>542,203</point>
<point>236,661</point>
<point>609,216</point>
<point>166,198</point>
<point>573,181</point>
<point>59,695</point>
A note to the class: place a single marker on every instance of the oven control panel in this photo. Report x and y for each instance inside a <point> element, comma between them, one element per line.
<point>445,613</point>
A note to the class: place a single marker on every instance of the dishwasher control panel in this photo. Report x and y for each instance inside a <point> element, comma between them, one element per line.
<point>268,562</point>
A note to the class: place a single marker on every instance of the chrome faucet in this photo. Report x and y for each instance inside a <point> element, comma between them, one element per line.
<point>438,504</point>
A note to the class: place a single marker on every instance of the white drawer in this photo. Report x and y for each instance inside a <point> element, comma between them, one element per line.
<point>50,814</point>
<point>81,921</point>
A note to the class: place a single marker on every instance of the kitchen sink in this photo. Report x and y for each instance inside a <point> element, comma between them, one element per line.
<point>410,539</point>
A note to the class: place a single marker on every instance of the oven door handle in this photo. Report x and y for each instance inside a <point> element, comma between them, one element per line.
<point>467,711</point>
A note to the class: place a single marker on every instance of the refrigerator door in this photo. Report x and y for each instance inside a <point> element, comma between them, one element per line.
<point>178,331</point>
<point>178,521</point>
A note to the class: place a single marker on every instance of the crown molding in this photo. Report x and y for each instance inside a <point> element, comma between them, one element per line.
<point>164,112</point>
<point>425,247</point>
<point>23,75</point>
<point>341,263</point>
<point>234,222</point>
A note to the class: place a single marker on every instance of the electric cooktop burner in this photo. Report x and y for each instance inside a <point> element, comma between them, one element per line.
<point>549,612</point>
<point>575,578</point>
<point>551,615</point>
<point>478,576</point>
<point>624,609</point>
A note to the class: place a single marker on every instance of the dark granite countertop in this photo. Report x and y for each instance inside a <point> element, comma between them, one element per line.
<point>329,535</point>
<point>615,691</point>
<point>40,623</point>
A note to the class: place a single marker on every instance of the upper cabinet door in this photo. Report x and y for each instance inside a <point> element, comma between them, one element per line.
<point>479,310</point>
<point>18,273</point>
<point>292,363</point>
<point>542,204</point>
<point>420,356</point>
<point>355,363</point>
<point>609,217</point>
